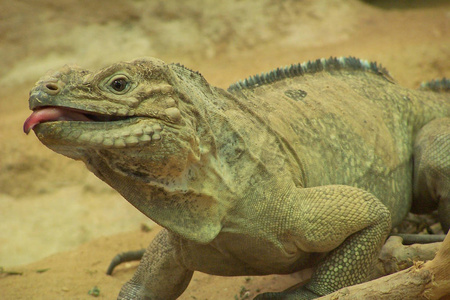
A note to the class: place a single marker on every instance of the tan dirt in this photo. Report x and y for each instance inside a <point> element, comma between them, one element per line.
<point>55,215</point>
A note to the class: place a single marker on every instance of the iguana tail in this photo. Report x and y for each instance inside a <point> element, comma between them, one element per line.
<point>436,85</point>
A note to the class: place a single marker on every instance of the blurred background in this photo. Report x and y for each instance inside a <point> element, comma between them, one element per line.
<point>49,203</point>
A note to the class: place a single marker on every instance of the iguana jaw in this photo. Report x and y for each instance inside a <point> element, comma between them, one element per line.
<point>57,113</point>
<point>90,129</point>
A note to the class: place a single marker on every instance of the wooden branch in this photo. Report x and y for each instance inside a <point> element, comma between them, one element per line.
<point>409,239</point>
<point>395,256</point>
<point>430,280</point>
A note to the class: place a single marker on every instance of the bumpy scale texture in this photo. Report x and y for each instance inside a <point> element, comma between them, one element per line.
<point>308,165</point>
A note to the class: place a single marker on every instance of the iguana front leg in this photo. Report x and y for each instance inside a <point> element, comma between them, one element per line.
<point>350,223</point>
<point>159,276</point>
<point>432,170</point>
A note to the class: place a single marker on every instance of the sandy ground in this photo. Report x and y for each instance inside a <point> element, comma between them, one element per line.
<point>56,216</point>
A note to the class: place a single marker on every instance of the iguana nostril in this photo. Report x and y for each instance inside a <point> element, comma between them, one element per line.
<point>52,88</point>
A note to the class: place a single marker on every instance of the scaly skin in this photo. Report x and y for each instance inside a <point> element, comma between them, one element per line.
<point>305,166</point>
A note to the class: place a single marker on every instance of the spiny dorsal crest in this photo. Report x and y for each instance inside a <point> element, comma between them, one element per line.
<point>437,85</point>
<point>311,67</point>
<point>182,66</point>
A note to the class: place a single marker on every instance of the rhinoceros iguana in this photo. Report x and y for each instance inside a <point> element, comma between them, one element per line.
<point>307,165</point>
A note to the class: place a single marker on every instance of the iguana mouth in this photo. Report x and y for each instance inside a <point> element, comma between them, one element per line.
<point>100,130</point>
<point>57,113</point>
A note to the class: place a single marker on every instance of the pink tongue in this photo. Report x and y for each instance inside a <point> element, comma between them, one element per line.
<point>52,114</point>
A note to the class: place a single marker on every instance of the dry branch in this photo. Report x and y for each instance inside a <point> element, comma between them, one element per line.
<point>395,256</point>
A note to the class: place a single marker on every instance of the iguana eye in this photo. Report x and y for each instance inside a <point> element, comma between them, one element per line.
<point>119,85</point>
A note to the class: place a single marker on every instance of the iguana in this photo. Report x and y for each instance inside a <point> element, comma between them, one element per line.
<point>308,165</point>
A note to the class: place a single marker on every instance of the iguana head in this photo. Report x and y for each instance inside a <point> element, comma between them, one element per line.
<point>142,127</point>
<point>131,115</point>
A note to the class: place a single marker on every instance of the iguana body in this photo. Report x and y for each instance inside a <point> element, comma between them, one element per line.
<point>308,165</point>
